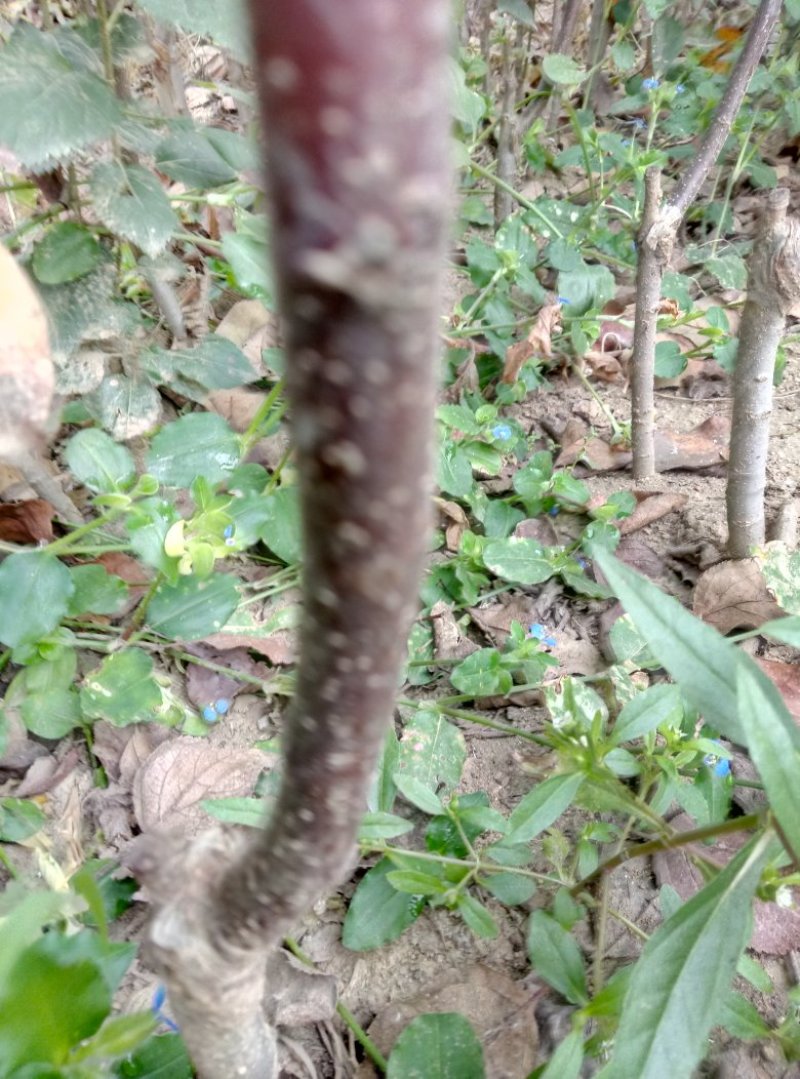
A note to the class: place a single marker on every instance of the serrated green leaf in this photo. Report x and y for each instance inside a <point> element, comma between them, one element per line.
<point>227,25</point>
<point>213,364</point>
<point>418,794</point>
<point>67,252</point>
<point>556,957</point>
<point>481,674</point>
<point>53,104</point>
<point>685,968</point>
<point>542,807</point>
<point>563,70</point>
<point>441,1046</point>
<point>186,155</point>
<point>522,561</point>
<point>201,444</point>
<point>377,913</point>
<point>34,590</point>
<point>193,608</point>
<point>131,202</point>
<point>122,689</point>
<point>99,462</point>
<point>432,751</point>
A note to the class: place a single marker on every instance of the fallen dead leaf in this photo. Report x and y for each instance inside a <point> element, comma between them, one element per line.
<point>271,633</point>
<point>30,521</point>
<point>537,343</point>
<point>732,595</point>
<point>786,677</point>
<point>448,640</point>
<point>179,775</point>
<point>651,508</point>
<point>204,686</point>
<point>459,522</point>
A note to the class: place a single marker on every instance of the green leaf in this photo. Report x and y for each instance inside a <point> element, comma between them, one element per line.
<point>162,1057</point>
<point>24,915</point>
<point>730,270</point>
<point>741,1018</point>
<point>555,956</point>
<point>455,471</point>
<point>542,806</point>
<point>381,825</point>
<point>201,444</point>
<point>477,917</point>
<point>468,107</point>
<point>227,25</point>
<point>193,608</point>
<point>522,561</point>
<point>563,70</point>
<point>130,201</point>
<point>481,674</point>
<point>248,811</point>
<point>53,103</point>
<point>67,252</point>
<point>213,364</point>
<point>520,10</point>
<point>567,1060</point>
<point>780,567</point>
<point>441,1046</point>
<point>249,259</point>
<point>414,882</point>
<point>647,711</point>
<point>786,630</point>
<point>126,405</point>
<point>772,743</point>
<point>187,156</point>
<point>510,888</point>
<point>117,1037</point>
<point>418,794</point>
<point>34,590</point>
<point>122,689</point>
<point>587,289</point>
<point>96,590</point>
<point>52,712</point>
<point>72,998</point>
<point>377,913</point>
<point>281,531</point>
<point>684,971</point>
<point>19,819</point>
<point>431,751</point>
<point>670,361</point>
<point>99,462</point>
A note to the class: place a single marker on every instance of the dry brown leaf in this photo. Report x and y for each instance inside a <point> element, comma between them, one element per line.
<point>127,568</point>
<point>279,647</point>
<point>175,779</point>
<point>500,1010</point>
<point>703,446</point>
<point>496,618</point>
<point>650,509</point>
<point>204,686</point>
<point>732,595</point>
<point>253,328</point>
<point>607,366</point>
<point>541,529</point>
<point>30,521</point>
<point>537,343</point>
<point>448,640</point>
<point>459,522</point>
<point>786,677</point>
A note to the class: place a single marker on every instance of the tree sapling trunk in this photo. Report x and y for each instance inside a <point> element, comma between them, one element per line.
<point>773,292</point>
<point>355,106</point>
<point>658,232</point>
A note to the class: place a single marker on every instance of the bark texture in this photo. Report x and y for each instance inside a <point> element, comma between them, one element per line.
<point>355,108</point>
<point>773,292</point>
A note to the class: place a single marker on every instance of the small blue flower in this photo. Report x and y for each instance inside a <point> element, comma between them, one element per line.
<point>625,142</point>
<point>554,511</point>
<point>157,1003</point>
<point>228,536</point>
<point>209,714</point>
<point>650,84</point>
<point>539,633</point>
<point>638,123</point>
<point>680,88</point>
<point>582,563</point>
<point>720,766</point>
<point>221,706</point>
<point>501,431</point>
<point>563,299</point>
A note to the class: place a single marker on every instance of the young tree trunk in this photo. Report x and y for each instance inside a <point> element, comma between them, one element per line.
<point>356,114</point>
<point>773,292</point>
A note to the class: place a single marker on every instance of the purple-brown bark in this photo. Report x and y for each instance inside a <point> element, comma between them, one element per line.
<point>355,108</point>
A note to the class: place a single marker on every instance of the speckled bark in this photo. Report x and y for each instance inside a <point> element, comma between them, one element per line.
<point>773,292</point>
<point>355,105</point>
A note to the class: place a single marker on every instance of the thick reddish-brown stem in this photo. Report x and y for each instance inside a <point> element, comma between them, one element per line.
<point>356,116</point>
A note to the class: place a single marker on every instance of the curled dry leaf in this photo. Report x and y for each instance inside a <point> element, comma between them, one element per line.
<point>651,508</point>
<point>25,522</point>
<point>458,522</point>
<point>172,783</point>
<point>732,595</point>
<point>449,641</point>
<point>537,343</point>
<point>500,1010</point>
